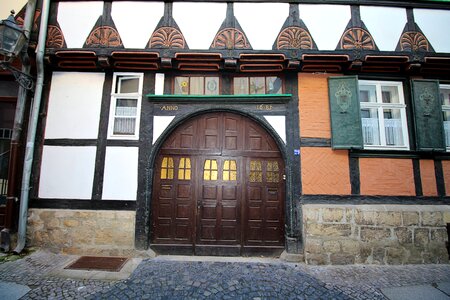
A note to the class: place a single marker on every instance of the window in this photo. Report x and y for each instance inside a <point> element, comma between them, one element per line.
<point>383,115</point>
<point>167,168</point>
<point>257,85</point>
<point>184,169</point>
<point>210,170</point>
<point>197,85</point>
<point>229,170</point>
<point>445,101</point>
<point>273,174</point>
<point>125,106</point>
<point>255,171</point>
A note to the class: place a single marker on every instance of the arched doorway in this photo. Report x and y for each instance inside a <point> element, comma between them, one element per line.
<point>218,189</point>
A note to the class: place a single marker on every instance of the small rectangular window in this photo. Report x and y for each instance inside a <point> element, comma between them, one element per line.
<point>196,85</point>
<point>125,106</point>
<point>444,90</point>
<point>383,115</point>
<point>257,85</point>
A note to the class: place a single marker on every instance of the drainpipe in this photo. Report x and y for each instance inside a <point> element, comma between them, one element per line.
<point>31,136</point>
<point>17,132</point>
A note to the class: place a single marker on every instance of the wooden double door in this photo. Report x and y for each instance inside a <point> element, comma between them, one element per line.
<point>218,189</point>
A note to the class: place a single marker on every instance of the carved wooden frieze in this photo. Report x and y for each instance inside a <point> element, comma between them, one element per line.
<point>230,38</point>
<point>414,41</point>
<point>55,37</point>
<point>294,38</point>
<point>167,37</point>
<point>104,36</point>
<point>357,38</point>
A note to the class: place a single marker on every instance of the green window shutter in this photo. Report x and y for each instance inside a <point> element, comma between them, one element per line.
<point>428,115</point>
<point>346,129</point>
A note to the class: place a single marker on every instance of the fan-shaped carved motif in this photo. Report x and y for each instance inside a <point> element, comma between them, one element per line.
<point>167,37</point>
<point>357,38</point>
<point>230,38</point>
<point>294,38</point>
<point>104,36</point>
<point>414,41</point>
<point>55,37</point>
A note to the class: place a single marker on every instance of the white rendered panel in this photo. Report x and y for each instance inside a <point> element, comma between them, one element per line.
<point>121,173</point>
<point>192,17</point>
<point>160,123</point>
<point>159,84</point>
<point>261,22</point>
<point>77,20</point>
<point>435,24</point>
<point>74,105</point>
<point>326,23</point>
<point>386,33</point>
<point>136,21</point>
<point>279,124</point>
<point>67,172</point>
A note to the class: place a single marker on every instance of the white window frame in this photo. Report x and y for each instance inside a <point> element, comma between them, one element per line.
<point>445,108</point>
<point>115,96</point>
<point>380,106</point>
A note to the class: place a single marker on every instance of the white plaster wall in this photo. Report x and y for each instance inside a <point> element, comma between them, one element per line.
<point>74,105</point>
<point>387,32</point>
<point>435,24</point>
<point>279,124</point>
<point>136,21</point>
<point>326,23</point>
<point>191,18</point>
<point>77,19</point>
<point>261,22</point>
<point>160,123</point>
<point>67,172</point>
<point>121,173</point>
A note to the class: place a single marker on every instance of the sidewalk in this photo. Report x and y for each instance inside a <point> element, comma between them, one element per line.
<point>41,275</point>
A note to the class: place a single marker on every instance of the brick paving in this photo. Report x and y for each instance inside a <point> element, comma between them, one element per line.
<point>166,278</point>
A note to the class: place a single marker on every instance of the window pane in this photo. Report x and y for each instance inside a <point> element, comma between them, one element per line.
<point>211,85</point>
<point>196,86</point>
<point>184,168</point>
<point>125,116</point>
<point>447,127</point>
<point>126,107</point>
<point>371,132</point>
<point>167,168</point>
<point>229,170</point>
<point>240,85</point>
<point>181,86</point>
<point>257,85</point>
<point>393,127</point>
<point>127,85</point>
<point>272,171</point>
<point>389,94</point>
<point>210,169</point>
<point>367,93</point>
<point>255,171</point>
<point>273,85</point>
<point>445,96</point>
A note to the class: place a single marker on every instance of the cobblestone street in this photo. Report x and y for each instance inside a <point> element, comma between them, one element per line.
<point>166,277</point>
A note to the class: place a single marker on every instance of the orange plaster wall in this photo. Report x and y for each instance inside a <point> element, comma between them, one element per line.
<point>386,176</point>
<point>325,171</point>
<point>446,170</point>
<point>428,177</point>
<point>313,105</point>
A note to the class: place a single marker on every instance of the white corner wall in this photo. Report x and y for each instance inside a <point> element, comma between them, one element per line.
<point>435,25</point>
<point>67,172</point>
<point>74,105</point>
<point>279,124</point>
<point>77,19</point>
<point>121,173</point>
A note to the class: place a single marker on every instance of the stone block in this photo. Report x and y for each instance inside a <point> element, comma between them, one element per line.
<point>395,256</point>
<point>413,254</point>
<point>439,235</point>
<point>349,212</point>
<point>404,235</point>
<point>52,224</point>
<point>421,237</point>
<point>316,259</point>
<point>390,218</point>
<point>85,215</point>
<point>333,215</point>
<point>350,247</point>
<point>104,237</point>
<point>410,218</point>
<point>365,252</point>
<point>311,215</point>
<point>435,218</point>
<point>331,246</point>
<point>313,246</point>
<point>371,234</point>
<point>71,223</point>
<point>333,230</point>
<point>342,259</point>
<point>363,217</point>
<point>438,253</point>
<point>378,255</point>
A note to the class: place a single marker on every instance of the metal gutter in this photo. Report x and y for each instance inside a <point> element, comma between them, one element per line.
<point>31,136</point>
<point>17,132</point>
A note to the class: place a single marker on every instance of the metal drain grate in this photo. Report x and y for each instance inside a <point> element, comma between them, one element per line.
<point>98,263</point>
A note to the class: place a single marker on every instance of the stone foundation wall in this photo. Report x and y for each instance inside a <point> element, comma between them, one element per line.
<point>375,234</point>
<point>82,232</point>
